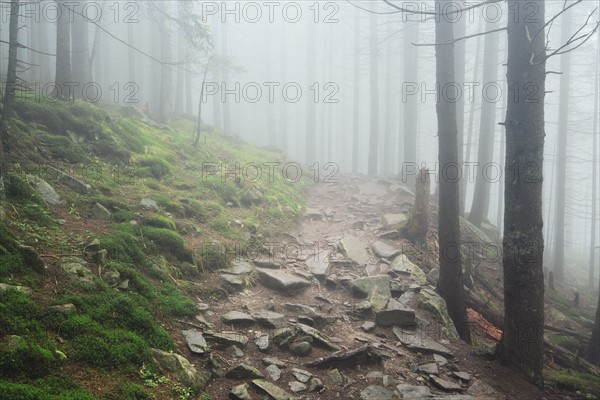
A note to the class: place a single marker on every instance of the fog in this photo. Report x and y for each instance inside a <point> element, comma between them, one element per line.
<point>278,71</point>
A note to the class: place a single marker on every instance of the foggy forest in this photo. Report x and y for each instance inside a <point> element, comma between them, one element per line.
<point>370,199</point>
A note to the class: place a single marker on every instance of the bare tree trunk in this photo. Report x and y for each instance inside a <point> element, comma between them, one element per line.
<point>592,267</point>
<point>411,77</point>
<point>199,123</point>
<point>450,283</point>
<point>459,67</point>
<point>130,53</point>
<point>283,133</point>
<point>81,49</point>
<point>500,209</point>
<point>311,119</point>
<point>593,353</point>
<point>225,53</point>
<point>418,224</point>
<point>179,91</point>
<point>561,161</point>
<point>44,61</point>
<point>522,345</point>
<point>487,129</point>
<point>62,91</point>
<point>166,80</point>
<point>388,147</point>
<point>11,83</point>
<point>356,97</point>
<point>374,97</point>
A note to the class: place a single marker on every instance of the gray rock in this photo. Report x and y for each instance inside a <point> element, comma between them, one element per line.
<point>376,393</point>
<point>393,219</point>
<point>78,186</point>
<point>202,320</point>
<point>279,280</point>
<point>363,309</point>
<point>413,391</point>
<point>272,390</point>
<point>336,377</point>
<point>240,267</point>
<point>270,319</point>
<point>368,326</point>
<point>244,371</point>
<point>124,285</point>
<point>252,196</point>
<point>273,372</point>
<point>480,389</point>
<point>266,263</point>
<point>46,191</point>
<point>23,289</point>
<point>363,286</point>
<point>300,349</point>
<point>227,339</point>
<point>315,384</point>
<point>240,392</point>
<point>444,385</point>
<point>183,370</point>
<point>77,269</point>
<point>434,303</point>
<point>274,361</point>
<point>313,213</point>
<point>234,351</point>
<point>378,299</point>
<point>355,248</point>
<point>263,343</point>
<point>66,309</point>
<point>149,204</point>
<point>202,306</point>
<point>297,387</point>
<point>111,277</point>
<point>100,212</point>
<point>433,276</point>
<point>232,282</point>
<point>301,309</point>
<point>318,337</point>
<point>384,250</point>
<point>301,375</point>
<point>195,341</point>
<point>398,316</point>
<point>389,381</point>
<point>421,344</point>
<point>440,360</point>
<point>237,318</point>
<point>319,265</point>
<point>403,266</point>
<point>428,369</point>
<point>32,259</point>
<point>281,335</point>
<point>463,376</point>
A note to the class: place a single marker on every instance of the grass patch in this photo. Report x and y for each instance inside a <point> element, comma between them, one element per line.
<point>576,381</point>
<point>159,221</point>
<point>568,342</point>
<point>168,241</point>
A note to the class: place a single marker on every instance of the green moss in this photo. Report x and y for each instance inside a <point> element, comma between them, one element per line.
<point>27,359</point>
<point>159,221</point>
<point>128,391</point>
<point>124,215</point>
<point>124,244</point>
<point>111,349</point>
<point>568,342</point>
<point>19,315</point>
<point>11,264</point>
<point>17,188</point>
<point>168,241</point>
<point>39,391</point>
<point>576,381</point>
<point>213,257</point>
<point>62,148</point>
<point>154,166</point>
<point>204,211</point>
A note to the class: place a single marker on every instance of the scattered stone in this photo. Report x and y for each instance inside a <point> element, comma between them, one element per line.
<point>429,369</point>
<point>433,276</point>
<point>315,384</point>
<point>413,391</point>
<point>313,213</point>
<point>279,280</point>
<point>32,259</point>
<point>440,360</point>
<point>215,366</point>
<point>375,375</point>
<point>368,326</point>
<point>231,281</point>
<point>301,375</point>
<point>363,287</point>
<point>263,343</point>
<point>75,184</point>
<point>240,392</point>
<point>227,339</point>
<point>300,349</point>
<point>202,307</point>
<point>100,212</point>
<point>376,393</point>
<point>274,391</point>
<point>397,316</point>
<point>124,285</point>
<point>393,219</point>
<point>240,267</point>
<point>252,196</point>
<point>444,385</point>
<point>355,248</point>
<point>46,191</point>
<point>404,266</point>
<point>66,309</point>
<point>421,344</point>
<point>384,250</point>
<point>363,309</point>
<point>204,322</point>
<point>76,268</point>
<point>336,376</point>
<point>149,204</point>
<point>297,387</point>
<point>301,309</point>
<point>274,372</point>
<point>389,381</point>
<point>378,299</point>
<point>237,318</point>
<point>195,341</point>
<point>274,361</point>
<point>319,265</point>
<point>463,376</point>
<point>366,354</point>
<point>480,389</point>
<point>234,351</point>
<point>434,303</point>
<point>266,263</point>
<point>111,277</point>
<point>270,319</point>
<point>244,371</point>
<point>183,370</point>
<point>318,337</point>
<point>306,320</point>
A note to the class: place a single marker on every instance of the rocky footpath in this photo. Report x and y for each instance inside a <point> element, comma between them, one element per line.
<point>341,308</point>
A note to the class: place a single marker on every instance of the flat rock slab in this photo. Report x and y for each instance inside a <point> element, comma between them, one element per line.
<point>318,337</point>
<point>434,303</point>
<point>355,248</point>
<point>384,250</point>
<point>279,280</point>
<point>377,393</point>
<point>237,318</point>
<point>445,385</point>
<point>393,219</point>
<point>400,316</point>
<point>319,265</point>
<point>275,392</point>
<point>413,392</point>
<point>363,287</point>
<point>307,311</point>
<point>418,343</point>
<point>404,266</point>
<point>240,267</point>
<point>195,341</point>
<point>228,339</point>
<point>244,371</point>
<point>265,262</point>
<point>270,319</point>
<point>233,281</point>
<point>240,392</point>
<point>428,369</point>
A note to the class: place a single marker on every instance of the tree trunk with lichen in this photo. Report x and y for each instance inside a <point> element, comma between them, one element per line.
<point>418,224</point>
<point>522,345</point>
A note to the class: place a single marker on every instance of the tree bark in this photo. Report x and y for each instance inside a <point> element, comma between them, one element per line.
<point>561,157</point>
<point>225,53</point>
<point>374,97</point>
<point>81,49</point>
<point>451,281</point>
<point>459,68</point>
<point>311,119</point>
<point>592,267</point>
<point>356,94</point>
<point>166,80</point>
<point>487,129</point>
<point>522,345</point>
<point>411,111</point>
<point>418,225</point>
<point>593,353</point>
<point>62,90</point>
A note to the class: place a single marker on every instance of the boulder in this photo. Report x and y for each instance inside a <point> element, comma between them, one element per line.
<point>275,392</point>
<point>393,219</point>
<point>355,248</point>
<point>404,266</point>
<point>195,341</point>
<point>279,280</point>
<point>46,191</point>
<point>100,212</point>
<point>181,368</point>
<point>270,319</point>
<point>244,371</point>
<point>384,250</point>
<point>362,287</point>
<point>434,303</point>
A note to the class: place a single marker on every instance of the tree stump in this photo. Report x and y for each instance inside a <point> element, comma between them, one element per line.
<point>418,223</point>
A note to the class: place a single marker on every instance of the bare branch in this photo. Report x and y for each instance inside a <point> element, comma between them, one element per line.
<point>551,20</point>
<point>402,9</point>
<point>459,39</point>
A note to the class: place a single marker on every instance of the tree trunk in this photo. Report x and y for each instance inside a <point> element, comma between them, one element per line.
<point>459,68</point>
<point>44,60</point>
<point>522,345</point>
<point>225,54</point>
<point>181,47</point>
<point>63,54</point>
<point>374,97</point>
<point>356,95</point>
<point>81,49</point>
<point>592,267</point>
<point>166,80</point>
<point>487,129</point>
<point>593,353</point>
<point>311,121</point>
<point>411,111</point>
<point>388,146</point>
<point>418,224</point>
<point>11,82</point>
<point>131,53</point>
<point>561,157</point>
<point>283,133</point>
<point>451,282</point>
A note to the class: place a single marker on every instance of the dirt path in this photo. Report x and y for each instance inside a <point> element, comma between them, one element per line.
<point>336,273</point>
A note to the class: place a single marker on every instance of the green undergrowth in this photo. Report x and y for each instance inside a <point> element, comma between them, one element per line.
<point>583,383</point>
